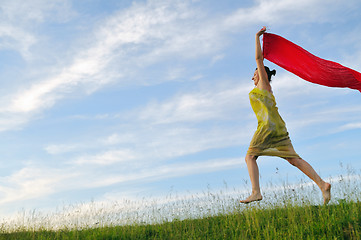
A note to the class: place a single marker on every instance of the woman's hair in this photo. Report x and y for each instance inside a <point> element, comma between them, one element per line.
<point>269,73</point>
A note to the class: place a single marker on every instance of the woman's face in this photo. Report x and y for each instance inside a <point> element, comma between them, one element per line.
<point>255,78</point>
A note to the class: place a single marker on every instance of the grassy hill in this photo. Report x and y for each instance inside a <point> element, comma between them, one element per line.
<point>335,221</point>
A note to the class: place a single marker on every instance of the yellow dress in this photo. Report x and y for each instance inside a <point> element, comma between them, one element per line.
<point>271,137</point>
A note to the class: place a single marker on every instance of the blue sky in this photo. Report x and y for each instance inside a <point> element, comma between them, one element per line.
<point>102,100</point>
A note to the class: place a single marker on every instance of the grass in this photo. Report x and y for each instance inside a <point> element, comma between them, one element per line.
<point>335,221</point>
<point>287,212</point>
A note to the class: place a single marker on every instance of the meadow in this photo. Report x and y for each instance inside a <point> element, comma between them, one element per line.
<point>290,211</point>
<point>335,221</point>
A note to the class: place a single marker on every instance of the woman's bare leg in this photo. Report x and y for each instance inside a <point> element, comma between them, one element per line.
<point>307,169</point>
<point>253,172</point>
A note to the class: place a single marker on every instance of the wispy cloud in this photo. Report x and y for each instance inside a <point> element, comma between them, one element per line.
<point>349,126</point>
<point>17,39</point>
<point>107,158</point>
<point>211,104</point>
<point>19,22</point>
<point>20,185</point>
<point>155,173</point>
<point>36,11</point>
<point>32,182</point>
<point>62,148</point>
<point>276,12</point>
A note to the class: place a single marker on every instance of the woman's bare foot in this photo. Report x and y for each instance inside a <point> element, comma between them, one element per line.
<point>326,193</point>
<point>254,197</point>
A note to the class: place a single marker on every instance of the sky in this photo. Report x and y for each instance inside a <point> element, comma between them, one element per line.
<point>106,100</point>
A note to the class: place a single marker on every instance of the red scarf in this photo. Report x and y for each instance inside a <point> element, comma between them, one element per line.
<point>297,60</point>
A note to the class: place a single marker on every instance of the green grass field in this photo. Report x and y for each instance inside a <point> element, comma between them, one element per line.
<point>334,221</point>
<point>287,212</point>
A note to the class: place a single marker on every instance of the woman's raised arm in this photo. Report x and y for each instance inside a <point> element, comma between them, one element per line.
<point>263,78</point>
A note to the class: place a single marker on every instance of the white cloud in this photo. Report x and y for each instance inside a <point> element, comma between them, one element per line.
<point>19,21</point>
<point>36,11</point>
<point>155,145</point>
<point>32,182</point>
<point>285,11</point>
<point>349,126</point>
<point>61,148</point>
<point>11,121</point>
<point>156,173</point>
<point>217,58</point>
<point>116,138</point>
<point>17,39</point>
<point>215,103</point>
<point>107,158</point>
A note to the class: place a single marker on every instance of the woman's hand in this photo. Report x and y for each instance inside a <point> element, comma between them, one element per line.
<point>260,33</point>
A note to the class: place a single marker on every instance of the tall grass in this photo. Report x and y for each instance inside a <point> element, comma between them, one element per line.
<point>287,212</point>
<point>335,221</point>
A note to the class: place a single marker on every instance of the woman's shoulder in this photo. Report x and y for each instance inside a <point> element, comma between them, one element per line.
<point>263,92</point>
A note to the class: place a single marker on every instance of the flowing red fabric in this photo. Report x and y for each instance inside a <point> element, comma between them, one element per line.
<point>297,60</point>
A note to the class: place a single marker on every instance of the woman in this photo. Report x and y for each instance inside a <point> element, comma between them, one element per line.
<point>271,137</point>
